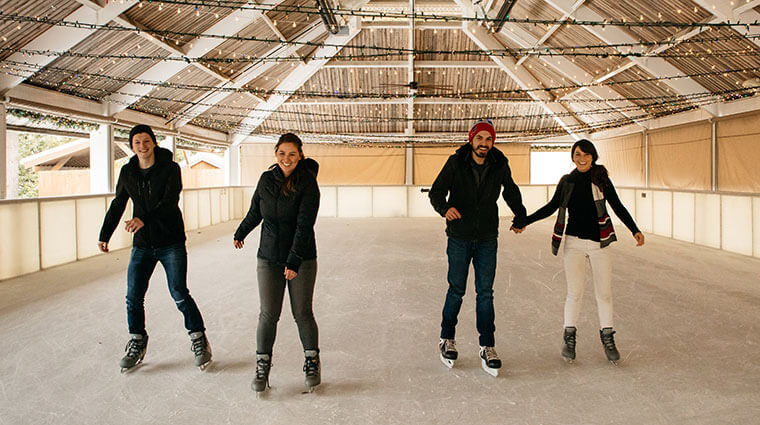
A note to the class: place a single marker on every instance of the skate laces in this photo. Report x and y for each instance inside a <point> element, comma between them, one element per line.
<point>608,340</point>
<point>262,368</point>
<point>311,366</point>
<point>489,353</point>
<point>199,345</point>
<point>449,345</point>
<point>133,348</point>
<point>570,340</point>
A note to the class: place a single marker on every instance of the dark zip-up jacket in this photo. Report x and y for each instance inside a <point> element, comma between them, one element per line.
<point>155,201</point>
<point>287,232</point>
<point>476,203</point>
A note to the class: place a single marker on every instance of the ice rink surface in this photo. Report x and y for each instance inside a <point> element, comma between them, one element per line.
<point>686,320</point>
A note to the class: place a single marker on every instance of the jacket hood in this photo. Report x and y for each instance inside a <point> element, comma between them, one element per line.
<point>310,165</point>
<point>495,156</point>
<point>162,155</point>
<point>306,164</point>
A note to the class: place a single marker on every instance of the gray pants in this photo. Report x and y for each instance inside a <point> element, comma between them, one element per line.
<point>272,285</point>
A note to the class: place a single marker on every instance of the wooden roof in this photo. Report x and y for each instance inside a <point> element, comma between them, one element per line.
<point>253,69</point>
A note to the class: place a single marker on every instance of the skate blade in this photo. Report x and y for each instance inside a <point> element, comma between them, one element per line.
<point>204,366</point>
<point>126,370</point>
<point>448,362</point>
<point>614,362</point>
<point>489,370</point>
<point>568,360</point>
<point>309,390</point>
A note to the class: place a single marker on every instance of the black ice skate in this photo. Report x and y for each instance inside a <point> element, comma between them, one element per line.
<point>568,349</point>
<point>263,366</point>
<point>312,370</point>
<point>490,361</point>
<point>135,349</point>
<point>608,341</point>
<point>201,348</point>
<point>448,348</point>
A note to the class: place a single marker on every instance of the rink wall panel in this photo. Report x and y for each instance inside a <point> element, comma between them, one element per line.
<point>707,223</point>
<point>19,238</point>
<point>89,216</point>
<point>58,232</point>
<point>756,226</point>
<point>736,214</point>
<point>45,232</point>
<point>662,213</point>
<point>643,211</point>
<point>683,216</point>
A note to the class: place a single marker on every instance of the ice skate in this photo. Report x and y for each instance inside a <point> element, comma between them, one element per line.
<point>261,381</point>
<point>312,369</point>
<point>608,341</point>
<point>568,349</point>
<point>448,349</point>
<point>135,352</point>
<point>490,361</point>
<point>201,348</point>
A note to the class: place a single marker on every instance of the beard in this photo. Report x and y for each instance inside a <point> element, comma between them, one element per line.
<point>476,151</point>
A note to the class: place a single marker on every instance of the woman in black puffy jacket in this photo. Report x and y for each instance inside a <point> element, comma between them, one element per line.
<point>286,200</point>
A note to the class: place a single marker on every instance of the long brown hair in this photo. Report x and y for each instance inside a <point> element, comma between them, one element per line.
<point>599,174</point>
<point>291,181</point>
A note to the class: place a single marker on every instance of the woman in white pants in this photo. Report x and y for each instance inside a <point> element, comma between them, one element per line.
<point>583,195</point>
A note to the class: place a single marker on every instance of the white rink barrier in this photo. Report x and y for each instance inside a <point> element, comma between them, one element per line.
<point>45,232</point>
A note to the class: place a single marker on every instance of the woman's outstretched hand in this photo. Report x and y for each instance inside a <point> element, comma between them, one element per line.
<point>237,244</point>
<point>639,239</point>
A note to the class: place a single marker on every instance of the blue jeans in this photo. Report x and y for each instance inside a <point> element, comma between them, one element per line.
<point>141,265</point>
<point>483,257</point>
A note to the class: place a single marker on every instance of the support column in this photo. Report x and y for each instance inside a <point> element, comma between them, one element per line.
<point>232,166</point>
<point>3,152</point>
<point>169,142</point>
<point>11,163</point>
<point>409,180</point>
<point>101,160</point>
<point>646,159</point>
<point>714,156</point>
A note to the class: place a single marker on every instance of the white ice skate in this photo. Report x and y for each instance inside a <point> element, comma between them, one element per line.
<point>448,350</point>
<point>490,361</point>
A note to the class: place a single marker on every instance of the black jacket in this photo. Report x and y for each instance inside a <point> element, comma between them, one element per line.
<point>287,235</point>
<point>476,204</point>
<point>155,199</point>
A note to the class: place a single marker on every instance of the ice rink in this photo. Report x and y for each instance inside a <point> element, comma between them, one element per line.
<point>686,320</point>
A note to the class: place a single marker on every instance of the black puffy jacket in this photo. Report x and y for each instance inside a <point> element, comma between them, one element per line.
<point>287,232</point>
<point>155,201</point>
<point>476,204</point>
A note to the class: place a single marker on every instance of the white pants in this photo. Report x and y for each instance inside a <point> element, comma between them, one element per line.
<point>577,253</point>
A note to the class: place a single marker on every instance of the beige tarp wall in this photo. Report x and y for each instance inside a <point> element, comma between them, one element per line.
<point>739,154</point>
<point>680,157</point>
<point>63,182</point>
<point>338,165</point>
<point>202,177</point>
<point>428,161</point>
<point>624,158</point>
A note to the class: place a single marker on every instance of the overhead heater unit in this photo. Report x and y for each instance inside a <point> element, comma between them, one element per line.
<point>328,17</point>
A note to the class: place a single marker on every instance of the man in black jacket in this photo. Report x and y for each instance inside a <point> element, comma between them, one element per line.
<point>153,181</point>
<point>472,179</point>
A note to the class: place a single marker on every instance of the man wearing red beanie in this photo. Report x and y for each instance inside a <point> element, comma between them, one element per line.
<point>465,192</point>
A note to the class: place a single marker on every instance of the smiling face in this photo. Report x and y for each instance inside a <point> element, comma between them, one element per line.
<point>481,143</point>
<point>143,146</point>
<point>582,160</point>
<point>287,156</point>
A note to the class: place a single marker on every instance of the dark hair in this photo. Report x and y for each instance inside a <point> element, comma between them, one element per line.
<point>141,128</point>
<point>599,175</point>
<point>291,182</point>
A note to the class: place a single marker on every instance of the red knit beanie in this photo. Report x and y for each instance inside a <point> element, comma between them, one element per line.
<point>481,126</point>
